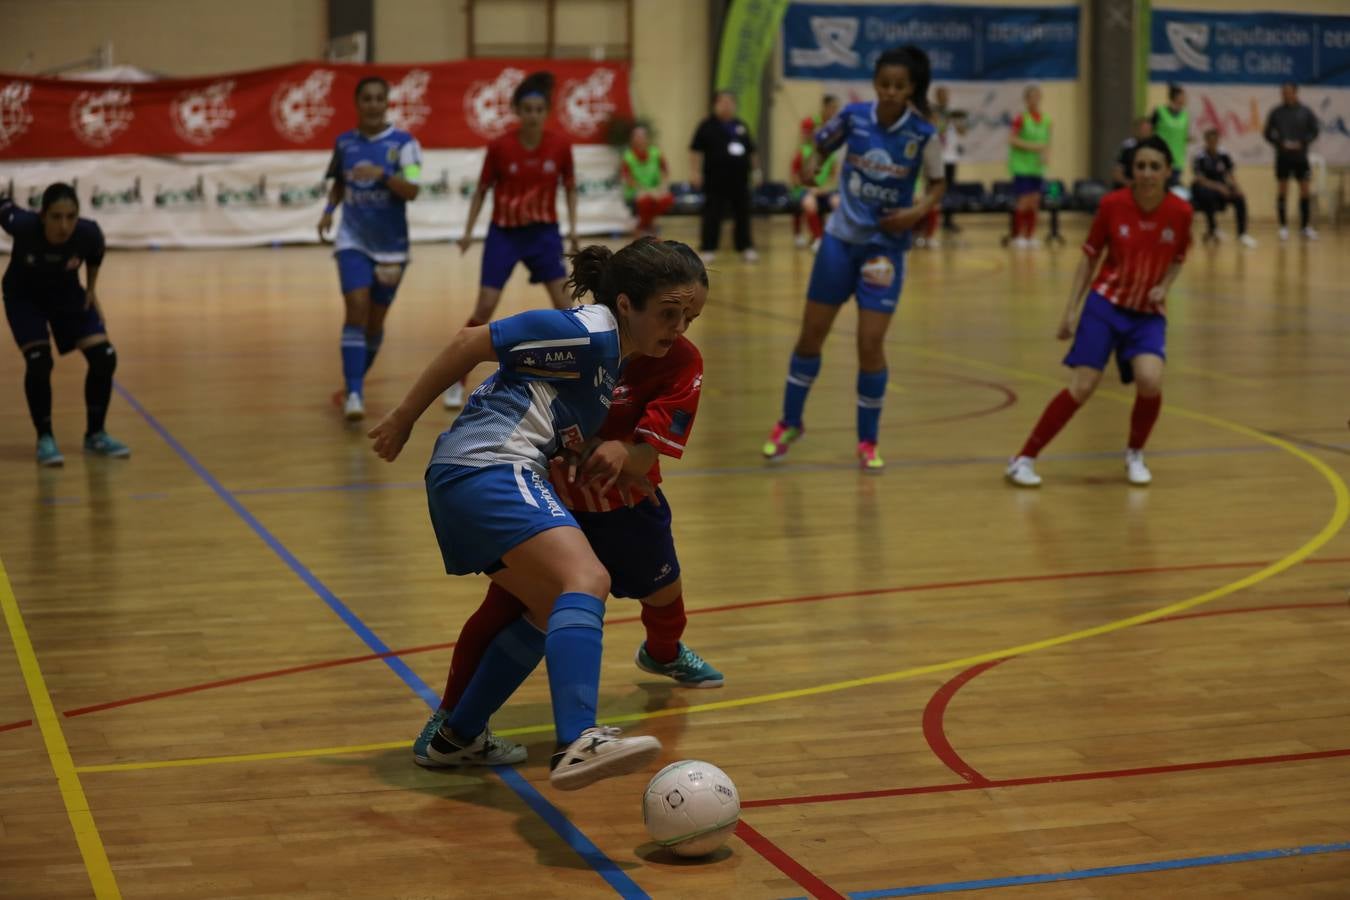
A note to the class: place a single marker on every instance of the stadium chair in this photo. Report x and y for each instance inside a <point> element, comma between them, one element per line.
<point>688,202</point>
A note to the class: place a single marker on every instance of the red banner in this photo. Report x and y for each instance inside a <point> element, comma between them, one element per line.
<point>298,107</point>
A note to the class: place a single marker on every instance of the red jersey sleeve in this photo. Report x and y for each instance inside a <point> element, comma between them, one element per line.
<point>1100,232</point>
<point>566,168</point>
<point>668,418</point>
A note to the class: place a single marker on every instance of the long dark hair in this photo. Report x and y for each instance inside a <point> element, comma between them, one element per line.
<point>916,62</point>
<point>540,83</point>
<point>641,270</point>
<point>56,192</point>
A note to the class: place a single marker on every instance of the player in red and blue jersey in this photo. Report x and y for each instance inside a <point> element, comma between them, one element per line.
<point>652,415</point>
<point>888,142</point>
<point>42,294</point>
<point>1139,239</point>
<point>494,511</point>
<point>523,169</point>
<point>375,170</point>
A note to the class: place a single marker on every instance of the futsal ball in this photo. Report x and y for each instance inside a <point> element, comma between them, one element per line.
<point>691,807</point>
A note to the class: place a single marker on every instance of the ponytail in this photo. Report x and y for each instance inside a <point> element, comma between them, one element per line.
<point>640,270</point>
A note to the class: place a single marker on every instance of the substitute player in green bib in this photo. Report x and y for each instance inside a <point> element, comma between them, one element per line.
<point>1172,123</point>
<point>644,176</point>
<point>1028,155</point>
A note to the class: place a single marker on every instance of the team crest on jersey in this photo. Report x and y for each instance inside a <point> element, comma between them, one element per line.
<point>572,438</point>
<point>586,106</point>
<point>1168,236</point>
<point>198,115</point>
<point>1124,231</point>
<point>550,166</point>
<point>391,155</point>
<point>14,115</point>
<point>97,117</point>
<point>879,272</point>
<point>408,108</point>
<point>487,104</point>
<point>911,149</point>
<point>301,110</point>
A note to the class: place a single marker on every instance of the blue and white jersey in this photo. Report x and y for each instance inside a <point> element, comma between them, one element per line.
<point>558,371</point>
<point>374,218</point>
<point>879,170</point>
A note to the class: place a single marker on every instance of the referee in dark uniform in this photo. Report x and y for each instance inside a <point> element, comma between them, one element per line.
<point>1291,128</point>
<point>722,155</point>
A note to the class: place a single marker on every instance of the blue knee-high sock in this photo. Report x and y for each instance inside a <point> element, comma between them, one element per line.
<point>509,659</point>
<point>573,651</point>
<point>871,390</point>
<point>373,342</point>
<point>802,372</point>
<point>353,356</point>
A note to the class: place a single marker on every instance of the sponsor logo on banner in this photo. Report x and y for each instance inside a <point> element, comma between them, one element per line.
<point>253,195</point>
<point>586,105</point>
<point>302,194</point>
<point>301,110</point>
<point>116,198</point>
<point>834,43</point>
<point>181,197</point>
<point>14,115</point>
<point>1188,42</point>
<point>199,115</point>
<point>487,104</point>
<point>408,107</point>
<point>97,117</point>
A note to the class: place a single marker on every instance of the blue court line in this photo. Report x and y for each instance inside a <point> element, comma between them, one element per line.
<point>1161,865</point>
<point>570,834</point>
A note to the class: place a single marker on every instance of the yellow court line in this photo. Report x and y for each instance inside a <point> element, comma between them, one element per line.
<point>67,781</point>
<point>1339,515</point>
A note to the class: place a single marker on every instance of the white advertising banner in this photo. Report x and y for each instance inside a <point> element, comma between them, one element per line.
<point>1239,111</point>
<point>990,107</point>
<point>252,199</point>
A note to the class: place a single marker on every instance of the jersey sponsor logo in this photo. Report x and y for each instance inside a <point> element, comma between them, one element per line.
<point>585,106</point>
<point>487,104</point>
<point>14,114</point>
<point>872,193</point>
<point>559,359</point>
<point>97,117</point>
<point>198,115</point>
<point>877,163</point>
<point>879,272</point>
<point>302,109</point>
<point>835,36</point>
<point>555,509</point>
<point>571,437</point>
<point>408,107</point>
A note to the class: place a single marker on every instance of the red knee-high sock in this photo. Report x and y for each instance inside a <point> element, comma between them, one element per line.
<point>498,609</point>
<point>1057,414</point>
<point>1142,417</point>
<point>646,210</point>
<point>931,222</point>
<point>665,627</point>
<point>813,222</point>
<point>1031,223</point>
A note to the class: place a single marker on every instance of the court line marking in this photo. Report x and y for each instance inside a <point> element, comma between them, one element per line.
<point>387,745</point>
<point>1161,865</point>
<point>569,833</point>
<point>785,863</point>
<point>92,851</point>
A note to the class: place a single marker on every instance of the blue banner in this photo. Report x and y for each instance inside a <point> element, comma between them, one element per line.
<point>1257,48</point>
<point>829,41</point>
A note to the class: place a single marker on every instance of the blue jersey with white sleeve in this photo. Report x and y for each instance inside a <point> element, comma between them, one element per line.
<point>880,168</point>
<point>374,218</point>
<point>558,371</point>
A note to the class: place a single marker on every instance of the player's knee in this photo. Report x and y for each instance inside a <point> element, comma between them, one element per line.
<point>38,361</point>
<point>102,359</point>
<point>590,578</point>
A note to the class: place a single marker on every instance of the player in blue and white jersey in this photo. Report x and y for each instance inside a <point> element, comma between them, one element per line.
<point>887,144</point>
<point>375,171</point>
<point>494,510</point>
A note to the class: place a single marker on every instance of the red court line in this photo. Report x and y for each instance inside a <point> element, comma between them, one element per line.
<point>785,863</point>
<point>936,734</point>
<point>1248,609</point>
<point>1048,779</point>
<point>13,725</point>
<point>811,598</point>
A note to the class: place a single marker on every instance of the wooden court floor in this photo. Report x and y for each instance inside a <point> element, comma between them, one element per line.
<point>935,682</point>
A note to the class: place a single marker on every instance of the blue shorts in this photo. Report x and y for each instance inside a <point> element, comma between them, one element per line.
<point>1027,184</point>
<point>871,271</point>
<point>636,546</point>
<point>539,246</point>
<point>1105,328</point>
<point>481,514</point>
<point>357,271</point>
<point>65,315</point>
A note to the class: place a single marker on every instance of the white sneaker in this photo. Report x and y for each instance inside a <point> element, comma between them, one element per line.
<point>800,241</point>
<point>1033,242</point>
<point>934,242</point>
<point>1021,471</point>
<point>749,255</point>
<point>1219,236</point>
<point>1310,233</point>
<point>601,753</point>
<point>441,751</point>
<point>815,246</point>
<point>354,409</point>
<point>453,398</point>
<point>1247,241</point>
<point>1284,233</point>
<point>1018,242</point>
<point>1135,470</point>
